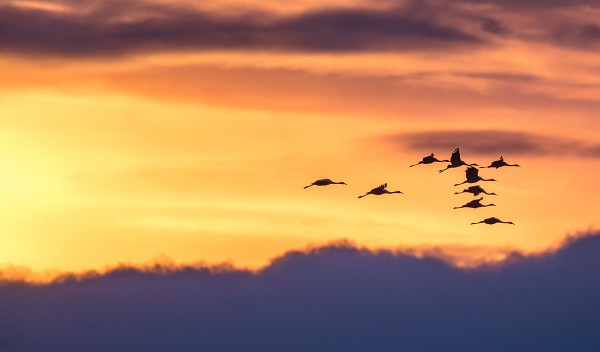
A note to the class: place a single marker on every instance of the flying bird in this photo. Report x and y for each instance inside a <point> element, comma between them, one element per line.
<point>476,203</point>
<point>456,161</point>
<point>500,163</point>
<point>492,221</point>
<point>379,191</point>
<point>476,190</point>
<point>472,174</point>
<point>429,160</point>
<point>324,182</point>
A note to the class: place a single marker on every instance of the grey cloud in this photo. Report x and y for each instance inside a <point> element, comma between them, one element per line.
<point>96,28</point>
<point>500,76</point>
<point>336,298</point>
<point>579,35</point>
<point>539,3</point>
<point>494,143</point>
<point>119,28</point>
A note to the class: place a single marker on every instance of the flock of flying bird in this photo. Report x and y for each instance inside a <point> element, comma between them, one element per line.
<point>472,176</point>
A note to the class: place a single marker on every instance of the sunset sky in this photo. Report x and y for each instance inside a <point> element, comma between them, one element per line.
<point>182,131</point>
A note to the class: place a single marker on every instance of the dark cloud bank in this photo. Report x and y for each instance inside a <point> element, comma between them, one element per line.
<point>105,28</point>
<point>151,27</point>
<point>495,143</point>
<point>335,298</point>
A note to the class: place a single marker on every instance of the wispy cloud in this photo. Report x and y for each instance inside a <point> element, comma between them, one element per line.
<point>495,142</point>
<point>101,28</point>
<point>335,298</point>
<point>540,3</point>
<point>146,26</point>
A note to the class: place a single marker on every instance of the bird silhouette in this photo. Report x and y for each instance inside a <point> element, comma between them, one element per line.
<point>324,182</point>
<point>492,221</point>
<point>429,160</point>
<point>475,203</point>
<point>472,174</point>
<point>500,163</point>
<point>379,191</point>
<point>456,161</point>
<point>476,190</point>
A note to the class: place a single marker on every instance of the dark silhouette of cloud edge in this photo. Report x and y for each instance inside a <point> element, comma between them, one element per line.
<point>333,298</point>
<point>495,142</point>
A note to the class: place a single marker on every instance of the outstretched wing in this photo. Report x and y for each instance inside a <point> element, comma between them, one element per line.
<point>455,158</point>
<point>472,203</point>
<point>379,188</point>
<point>472,172</point>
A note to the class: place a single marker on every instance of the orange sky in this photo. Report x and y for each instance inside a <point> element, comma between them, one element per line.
<point>139,140</point>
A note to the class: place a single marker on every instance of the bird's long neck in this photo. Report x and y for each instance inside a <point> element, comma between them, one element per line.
<point>517,165</point>
<point>486,179</point>
<point>394,192</point>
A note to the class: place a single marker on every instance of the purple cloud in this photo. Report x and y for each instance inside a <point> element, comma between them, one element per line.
<point>103,30</point>
<point>335,298</point>
<point>495,143</point>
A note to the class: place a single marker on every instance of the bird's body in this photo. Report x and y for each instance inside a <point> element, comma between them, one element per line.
<point>500,163</point>
<point>324,182</point>
<point>476,190</point>
<point>476,203</point>
<point>472,174</point>
<point>456,161</point>
<point>429,160</point>
<point>492,221</point>
<point>379,191</point>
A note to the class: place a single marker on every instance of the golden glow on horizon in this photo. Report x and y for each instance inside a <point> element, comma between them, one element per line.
<point>203,155</point>
<point>216,184</point>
